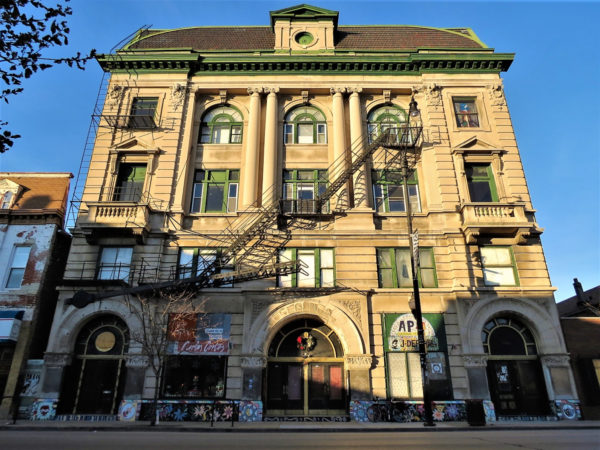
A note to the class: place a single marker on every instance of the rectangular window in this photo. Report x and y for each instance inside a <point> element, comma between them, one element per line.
<point>317,267</point>
<point>321,133</point>
<point>498,264</point>
<point>130,182</point>
<point>17,267</point>
<point>193,261</point>
<point>465,111</point>
<point>215,191</point>
<point>195,377</point>
<point>388,192</point>
<point>395,271</point>
<point>6,199</point>
<point>115,263</point>
<point>143,110</point>
<point>481,183</point>
<point>404,373</point>
<point>301,188</point>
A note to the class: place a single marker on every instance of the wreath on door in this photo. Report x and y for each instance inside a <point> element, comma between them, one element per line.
<point>306,342</point>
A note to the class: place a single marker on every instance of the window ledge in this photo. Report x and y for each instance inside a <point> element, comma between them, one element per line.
<point>400,214</point>
<point>403,289</point>
<point>213,214</point>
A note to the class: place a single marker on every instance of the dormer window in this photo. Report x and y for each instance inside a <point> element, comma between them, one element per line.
<point>7,199</point>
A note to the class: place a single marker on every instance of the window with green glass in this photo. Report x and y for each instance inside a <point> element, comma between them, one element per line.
<point>480,180</point>
<point>221,125</point>
<point>317,267</point>
<point>143,110</point>
<point>305,125</point>
<point>130,182</point>
<point>499,266</point>
<point>193,261</point>
<point>395,271</point>
<point>388,191</point>
<point>383,118</point>
<point>215,191</point>
<point>301,188</point>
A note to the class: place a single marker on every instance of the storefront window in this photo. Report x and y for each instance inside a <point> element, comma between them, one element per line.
<point>195,377</point>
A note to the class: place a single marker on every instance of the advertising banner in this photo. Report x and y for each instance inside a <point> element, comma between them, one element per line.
<point>199,334</point>
<point>400,333</point>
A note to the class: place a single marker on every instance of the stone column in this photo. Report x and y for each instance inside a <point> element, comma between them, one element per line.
<point>477,375</point>
<point>249,170</point>
<point>339,147</point>
<point>359,367</point>
<point>54,366</point>
<point>136,375</point>
<point>252,367</point>
<point>361,186</point>
<point>269,188</point>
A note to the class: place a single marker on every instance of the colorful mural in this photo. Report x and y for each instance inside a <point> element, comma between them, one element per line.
<point>198,410</point>
<point>409,411</point>
<point>567,409</point>
<point>44,409</point>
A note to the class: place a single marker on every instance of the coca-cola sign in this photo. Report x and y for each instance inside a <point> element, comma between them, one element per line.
<point>204,334</point>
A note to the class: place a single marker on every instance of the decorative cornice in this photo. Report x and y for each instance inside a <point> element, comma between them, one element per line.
<point>475,360</point>
<point>137,361</point>
<point>253,362</point>
<point>57,360</point>
<point>555,360</point>
<point>325,64</point>
<point>358,362</point>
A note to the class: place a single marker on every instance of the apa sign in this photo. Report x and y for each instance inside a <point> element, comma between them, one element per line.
<point>401,333</point>
<point>200,334</point>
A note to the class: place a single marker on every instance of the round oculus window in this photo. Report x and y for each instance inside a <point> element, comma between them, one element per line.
<point>304,38</point>
<point>105,341</point>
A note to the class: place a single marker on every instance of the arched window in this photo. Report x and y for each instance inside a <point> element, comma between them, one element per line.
<point>221,125</point>
<point>305,125</point>
<point>306,337</point>
<point>383,118</point>
<point>507,336</point>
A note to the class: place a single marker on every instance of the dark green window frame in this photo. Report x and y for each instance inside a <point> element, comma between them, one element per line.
<point>493,266</point>
<point>143,112</point>
<point>388,191</point>
<point>394,269</point>
<point>465,112</point>
<point>210,186</point>
<point>384,117</point>
<point>480,179</point>
<point>191,261</point>
<point>221,125</point>
<point>324,267</point>
<point>308,117</point>
<point>301,187</point>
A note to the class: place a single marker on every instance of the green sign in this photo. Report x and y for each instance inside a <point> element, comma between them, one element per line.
<point>400,332</point>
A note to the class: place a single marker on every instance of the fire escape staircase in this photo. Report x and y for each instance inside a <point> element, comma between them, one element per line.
<point>252,241</point>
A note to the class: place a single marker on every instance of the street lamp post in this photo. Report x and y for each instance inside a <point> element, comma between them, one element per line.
<point>414,260</point>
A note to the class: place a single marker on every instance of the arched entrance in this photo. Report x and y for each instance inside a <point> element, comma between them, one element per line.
<point>514,372</point>
<point>93,384</point>
<point>305,371</point>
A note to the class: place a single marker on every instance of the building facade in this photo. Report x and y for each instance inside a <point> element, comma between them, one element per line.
<point>259,152</point>
<point>33,254</point>
<point>580,321</point>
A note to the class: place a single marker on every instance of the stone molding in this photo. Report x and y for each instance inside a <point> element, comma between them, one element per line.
<point>338,90</point>
<point>253,362</point>
<point>178,92</point>
<point>255,90</point>
<point>57,360</point>
<point>475,360</point>
<point>358,362</point>
<point>354,90</point>
<point>555,360</point>
<point>433,94</point>
<point>115,94</point>
<point>271,90</point>
<point>496,95</point>
<point>137,361</point>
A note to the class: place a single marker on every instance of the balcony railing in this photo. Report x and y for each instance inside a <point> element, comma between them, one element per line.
<point>303,207</point>
<point>500,219</point>
<point>90,273</point>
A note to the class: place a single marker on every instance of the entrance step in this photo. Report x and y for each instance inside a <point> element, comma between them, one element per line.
<point>86,417</point>
<point>342,418</point>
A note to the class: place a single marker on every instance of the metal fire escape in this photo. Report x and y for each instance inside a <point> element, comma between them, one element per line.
<point>253,240</point>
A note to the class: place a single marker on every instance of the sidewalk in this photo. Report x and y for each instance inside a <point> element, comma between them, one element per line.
<point>270,427</point>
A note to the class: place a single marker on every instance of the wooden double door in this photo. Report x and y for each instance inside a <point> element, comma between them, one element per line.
<point>517,387</point>
<point>305,388</point>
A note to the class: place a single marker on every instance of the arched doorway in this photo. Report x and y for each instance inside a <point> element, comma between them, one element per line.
<point>93,384</point>
<point>514,372</point>
<point>305,371</point>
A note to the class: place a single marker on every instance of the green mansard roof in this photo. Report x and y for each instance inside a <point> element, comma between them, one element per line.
<point>359,38</point>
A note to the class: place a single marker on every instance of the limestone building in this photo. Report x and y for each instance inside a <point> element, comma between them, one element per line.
<point>253,164</point>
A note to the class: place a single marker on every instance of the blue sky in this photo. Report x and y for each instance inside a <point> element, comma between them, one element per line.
<point>552,90</point>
